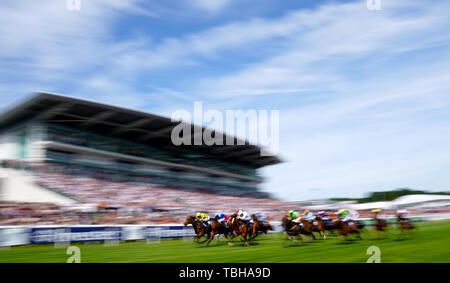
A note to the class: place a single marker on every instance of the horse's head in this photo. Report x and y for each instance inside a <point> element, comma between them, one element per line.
<point>190,220</point>
<point>336,221</point>
<point>285,222</point>
<point>232,219</point>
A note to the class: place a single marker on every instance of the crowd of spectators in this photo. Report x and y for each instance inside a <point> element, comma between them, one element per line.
<point>104,202</point>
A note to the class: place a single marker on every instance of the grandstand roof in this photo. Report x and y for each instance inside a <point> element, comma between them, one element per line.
<point>124,123</point>
<point>413,199</point>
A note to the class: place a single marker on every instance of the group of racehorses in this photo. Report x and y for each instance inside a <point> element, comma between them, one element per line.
<point>294,230</point>
<point>381,225</point>
<point>232,228</point>
<point>235,227</point>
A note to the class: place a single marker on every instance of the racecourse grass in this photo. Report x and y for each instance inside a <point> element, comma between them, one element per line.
<point>430,243</point>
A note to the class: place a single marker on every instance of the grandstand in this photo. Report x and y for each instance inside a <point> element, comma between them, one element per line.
<point>83,152</point>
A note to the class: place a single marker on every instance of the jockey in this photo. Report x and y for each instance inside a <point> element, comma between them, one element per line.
<point>243,216</point>
<point>309,216</point>
<point>324,215</point>
<point>353,214</point>
<point>348,216</point>
<point>202,217</point>
<point>220,217</point>
<point>402,214</point>
<point>294,215</point>
<point>261,217</point>
<point>377,213</point>
<point>344,215</point>
<point>332,215</point>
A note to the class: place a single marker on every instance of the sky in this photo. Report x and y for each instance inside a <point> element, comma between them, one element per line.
<point>363,94</point>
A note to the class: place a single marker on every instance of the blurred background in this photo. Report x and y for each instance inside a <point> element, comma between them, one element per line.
<point>88,89</point>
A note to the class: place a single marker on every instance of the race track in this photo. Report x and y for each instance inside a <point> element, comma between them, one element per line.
<point>430,243</point>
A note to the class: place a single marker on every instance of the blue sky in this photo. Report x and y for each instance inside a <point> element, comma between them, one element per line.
<point>363,94</point>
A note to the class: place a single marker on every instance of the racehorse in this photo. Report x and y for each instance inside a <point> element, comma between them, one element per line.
<point>380,224</point>
<point>345,230</point>
<point>320,227</point>
<point>253,229</point>
<point>329,226</point>
<point>224,230</point>
<point>308,228</point>
<point>404,225</point>
<point>199,229</point>
<point>264,227</point>
<point>238,228</point>
<point>215,228</point>
<point>294,231</point>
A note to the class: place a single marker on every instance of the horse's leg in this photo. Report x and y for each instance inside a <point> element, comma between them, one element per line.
<point>237,232</point>
<point>244,236</point>
<point>230,242</point>
<point>365,232</point>
<point>293,237</point>
<point>348,235</point>
<point>249,234</point>
<point>253,234</point>
<point>401,235</point>
<point>234,234</point>
<point>300,236</point>
<point>213,233</point>
<point>203,232</point>
<point>358,233</point>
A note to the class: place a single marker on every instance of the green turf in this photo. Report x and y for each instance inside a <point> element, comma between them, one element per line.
<point>430,243</point>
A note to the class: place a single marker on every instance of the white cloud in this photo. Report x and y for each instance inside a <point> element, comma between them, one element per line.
<point>211,6</point>
<point>358,114</point>
<point>318,43</point>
